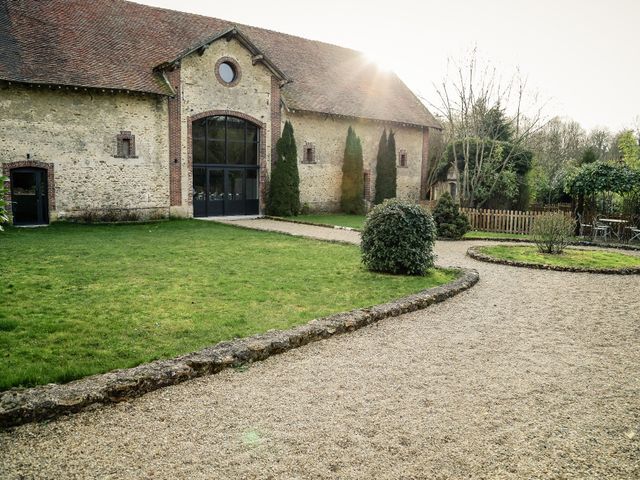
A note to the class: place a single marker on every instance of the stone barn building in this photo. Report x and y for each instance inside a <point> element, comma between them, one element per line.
<point>108,105</point>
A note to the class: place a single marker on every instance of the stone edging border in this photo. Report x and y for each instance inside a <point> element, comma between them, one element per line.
<point>20,406</point>
<point>474,253</point>
<point>579,243</point>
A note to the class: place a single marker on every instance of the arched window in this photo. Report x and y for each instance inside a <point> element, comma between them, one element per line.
<point>225,140</point>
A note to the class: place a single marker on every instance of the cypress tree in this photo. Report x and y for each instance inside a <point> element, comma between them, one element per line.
<point>352,200</point>
<point>391,162</point>
<point>284,189</point>
<point>386,168</point>
<point>381,173</point>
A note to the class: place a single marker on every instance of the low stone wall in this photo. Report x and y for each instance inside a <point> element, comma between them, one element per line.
<point>19,406</point>
<point>474,253</point>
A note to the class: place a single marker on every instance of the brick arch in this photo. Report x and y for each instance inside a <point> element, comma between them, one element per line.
<point>262,154</point>
<point>51,186</point>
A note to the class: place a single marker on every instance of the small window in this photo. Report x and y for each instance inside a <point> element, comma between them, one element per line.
<point>126,145</point>
<point>403,158</point>
<point>367,185</point>
<point>309,153</point>
<point>227,72</point>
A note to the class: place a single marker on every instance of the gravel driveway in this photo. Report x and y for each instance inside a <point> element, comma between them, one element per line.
<point>530,374</point>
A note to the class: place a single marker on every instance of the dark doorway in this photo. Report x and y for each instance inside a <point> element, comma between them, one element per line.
<point>224,191</point>
<point>225,167</point>
<point>29,196</point>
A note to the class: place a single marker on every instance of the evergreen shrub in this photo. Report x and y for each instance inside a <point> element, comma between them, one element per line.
<point>398,238</point>
<point>284,187</point>
<point>450,222</point>
<point>352,199</point>
<point>4,207</point>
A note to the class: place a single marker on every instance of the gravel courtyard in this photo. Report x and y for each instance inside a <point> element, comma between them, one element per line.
<point>530,374</point>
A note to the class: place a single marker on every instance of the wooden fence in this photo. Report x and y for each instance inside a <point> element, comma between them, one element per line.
<point>501,221</point>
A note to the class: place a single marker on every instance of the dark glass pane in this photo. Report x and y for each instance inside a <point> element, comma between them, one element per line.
<point>24,183</point>
<point>235,153</point>
<point>216,129</point>
<point>235,129</point>
<point>235,185</point>
<point>252,154</point>
<point>215,152</point>
<point>198,150</point>
<point>252,133</point>
<point>199,184</point>
<point>216,185</point>
<point>252,185</point>
<point>198,129</point>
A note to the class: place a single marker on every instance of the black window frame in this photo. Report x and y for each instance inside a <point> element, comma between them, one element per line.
<point>207,139</point>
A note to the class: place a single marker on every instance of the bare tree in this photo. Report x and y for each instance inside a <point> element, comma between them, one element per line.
<point>471,99</point>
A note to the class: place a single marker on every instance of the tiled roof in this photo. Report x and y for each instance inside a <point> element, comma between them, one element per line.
<point>116,44</point>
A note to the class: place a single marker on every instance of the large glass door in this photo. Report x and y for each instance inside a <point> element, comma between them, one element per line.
<point>225,191</point>
<point>225,166</point>
<point>216,195</point>
<point>234,204</point>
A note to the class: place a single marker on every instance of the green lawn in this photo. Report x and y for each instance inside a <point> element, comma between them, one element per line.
<point>82,299</point>
<point>331,219</point>
<point>570,258</point>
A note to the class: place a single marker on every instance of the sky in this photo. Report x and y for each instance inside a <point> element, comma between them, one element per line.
<point>580,56</point>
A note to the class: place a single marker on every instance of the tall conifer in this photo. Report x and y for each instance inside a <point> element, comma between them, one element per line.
<point>386,168</point>
<point>284,189</point>
<point>381,174</point>
<point>352,200</point>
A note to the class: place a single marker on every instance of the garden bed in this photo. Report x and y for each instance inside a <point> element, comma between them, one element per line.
<point>572,260</point>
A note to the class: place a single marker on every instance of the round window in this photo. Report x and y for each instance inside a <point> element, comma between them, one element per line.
<point>227,72</point>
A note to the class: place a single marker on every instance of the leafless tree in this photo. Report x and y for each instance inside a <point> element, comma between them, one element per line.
<point>467,97</point>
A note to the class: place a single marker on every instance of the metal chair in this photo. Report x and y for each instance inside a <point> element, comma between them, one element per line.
<point>635,234</point>
<point>583,225</point>
<point>600,229</point>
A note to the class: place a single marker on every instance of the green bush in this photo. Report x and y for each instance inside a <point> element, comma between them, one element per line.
<point>284,188</point>
<point>4,213</point>
<point>450,222</point>
<point>398,238</point>
<point>552,232</point>
<point>352,199</point>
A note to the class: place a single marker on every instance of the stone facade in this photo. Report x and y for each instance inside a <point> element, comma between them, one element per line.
<point>79,133</point>
<point>203,92</point>
<point>76,133</point>
<point>320,182</point>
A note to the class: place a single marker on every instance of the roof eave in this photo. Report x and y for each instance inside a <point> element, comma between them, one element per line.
<point>371,119</point>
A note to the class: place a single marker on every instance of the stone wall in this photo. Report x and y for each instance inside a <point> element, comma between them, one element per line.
<point>320,182</point>
<point>202,92</point>
<point>76,132</point>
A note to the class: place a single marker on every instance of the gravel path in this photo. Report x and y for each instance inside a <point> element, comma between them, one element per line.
<point>530,374</point>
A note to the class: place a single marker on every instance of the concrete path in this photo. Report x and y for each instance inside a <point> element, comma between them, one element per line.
<point>530,374</point>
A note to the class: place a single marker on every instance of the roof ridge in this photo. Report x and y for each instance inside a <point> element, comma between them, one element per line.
<point>240,25</point>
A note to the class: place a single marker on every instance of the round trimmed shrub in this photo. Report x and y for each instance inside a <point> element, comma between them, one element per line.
<point>450,222</point>
<point>398,238</point>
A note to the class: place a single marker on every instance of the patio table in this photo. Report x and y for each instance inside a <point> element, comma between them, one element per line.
<point>615,222</point>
